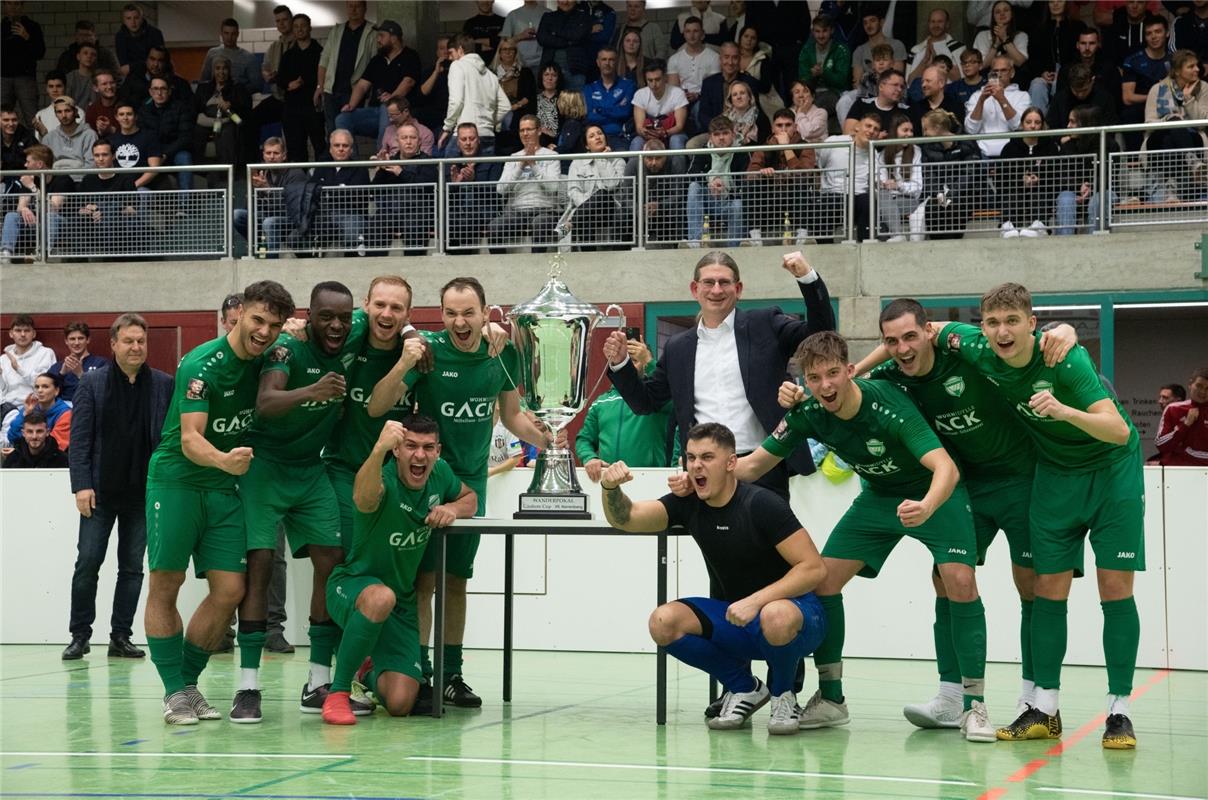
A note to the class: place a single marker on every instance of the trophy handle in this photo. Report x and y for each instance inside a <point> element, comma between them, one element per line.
<point>620,315</point>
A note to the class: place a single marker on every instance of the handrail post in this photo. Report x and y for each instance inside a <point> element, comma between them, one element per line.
<point>873,187</point>
<point>640,218</point>
<point>43,230</point>
<point>1104,173</point>
<point>228,207</point>
<point>851,191</point>
<point>440,221</point>
<point>253,239</point>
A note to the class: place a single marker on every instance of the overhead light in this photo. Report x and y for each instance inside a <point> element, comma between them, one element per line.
<point>1188,304</point>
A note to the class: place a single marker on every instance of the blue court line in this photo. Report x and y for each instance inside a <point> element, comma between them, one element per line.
<point>215,795</point>
<point>134,741</point>
<point>24,766</point>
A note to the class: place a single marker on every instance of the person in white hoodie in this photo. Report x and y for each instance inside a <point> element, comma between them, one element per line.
<point>23,360</point>
<point>594,213</point>
<point>474,96</point>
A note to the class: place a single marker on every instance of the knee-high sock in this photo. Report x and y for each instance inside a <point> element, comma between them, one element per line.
<point>945,650</point>
<point>733,672</point>
<point>1025,638</point>
<point>1121,636</point>
<point>166,655</point>
<point>829,655</point>
<point>1049,619</point>
<point>782,662</point>
<point>360,637</point>
<point>251,638</point>
<point>193,661</point>
<point>969,638</point>
<point>453,661</point>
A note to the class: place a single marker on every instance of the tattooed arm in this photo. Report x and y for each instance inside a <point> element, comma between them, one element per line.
<point>644,516</point>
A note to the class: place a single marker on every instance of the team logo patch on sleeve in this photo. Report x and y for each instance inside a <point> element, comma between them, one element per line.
<point>279,354</point>
<point>954,341</point>
<point>782,431</point>
<point>197,389</point>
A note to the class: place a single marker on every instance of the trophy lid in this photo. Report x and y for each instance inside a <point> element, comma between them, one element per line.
<point>554,300</point>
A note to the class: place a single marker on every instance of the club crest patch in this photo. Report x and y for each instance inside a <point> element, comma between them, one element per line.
<point>955,386</point>
<point>279,354</point>
<point>782,431</point>
<point>875,446</point>
<point>197,389</point>
<point>954,341</point>
<point>1042,386</point>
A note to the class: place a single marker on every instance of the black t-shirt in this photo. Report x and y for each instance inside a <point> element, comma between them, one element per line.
<point>346,60</point>
<point>118,182</point>
<point>133,149</point>
<point>386,76</point>
<point>484,26</point>
<point>862,107</point>
<point>739,539</point>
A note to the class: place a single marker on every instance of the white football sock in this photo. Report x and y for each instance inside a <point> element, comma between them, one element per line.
<point>319,675</point>
<point>1117,704</point>
<point>249,679</point>
<point>1046,700</point>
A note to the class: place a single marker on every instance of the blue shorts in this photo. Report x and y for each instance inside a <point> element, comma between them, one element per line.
<point>712,615</point>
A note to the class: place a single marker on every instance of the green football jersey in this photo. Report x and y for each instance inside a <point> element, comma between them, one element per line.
<point>388,543</point>
<point>213,380</point>
<point>460,394</point>
<point>883,441</point>
<point>356,432</point>
<point>1074,382</point>
<point>969,414</point>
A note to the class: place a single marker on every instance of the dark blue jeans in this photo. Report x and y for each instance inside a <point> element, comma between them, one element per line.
<point>94,541</point>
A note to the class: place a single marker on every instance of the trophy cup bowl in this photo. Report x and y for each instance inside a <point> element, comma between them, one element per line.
<point>552,334</point>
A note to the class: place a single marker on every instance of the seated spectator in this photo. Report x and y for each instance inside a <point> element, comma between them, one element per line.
<point>45,398</point>
<point>867,87</point>
<point>85,33</point>
<point>690,65</point>
<point>100,114</point>
<point>665,195</point>
<point>1089,52</point>
<point>750,124</point>
<point>47,120</point>
<point>714,200</point>
<point>398,112</point>
<point>271,218</point>
<point>952,178</point>
<point>1078,182</point>
<point>547,104</point>
<point>715,89</point>
<point>298,79</point>
<point>939,42</point>
<point>825,64</point>
<point>1190,32</point>
<point>135,40</point>
<point>1081,88</point>
<point>79,80</point>
<point>409,210</point>
<point>781,182</point>
<point>393,72</point>
<point>137,86</point>
<point>72,141</point>
<point>874,29</point>
<point>654,41</point>
<point>242,66</point>
<point>755,61</point>
<point>564,35</point>
<point>531,191</point>
<point>344,207</point>
<point>1182,436</point>
<point>900,183</point>
<point>14,138</point>
<point>474,96</point>
<point>1179,96</point>
<point>77,361</point>
<point>21,362</point>
<point>810,119</point>
<point>1140,71</point>
<point>609,101</point>
<point>521,25</point>
<point>472,198</point>
<point>837,182</point>
<point>660,111</point>
<point>224,115</point>
<point>890,86</point>
<point>572,113</point>
<point>518,84</point>
<point>105,217</point>
<point>1126,34</point>
<point>132,147</point>
<point>484,28</point>
<point>1025,179</point>
<point>36,449</point>
<point>996,108</point>
<point>170,121</point>
<point>20,226</point>
<point>971,79</point>
<point>596,212</point>
<point>934,97</point>
<point>1003,38</point>
<point>631,61</point>
<point>713,25</point>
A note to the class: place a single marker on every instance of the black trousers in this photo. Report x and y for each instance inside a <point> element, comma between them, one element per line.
<point>93,542</point>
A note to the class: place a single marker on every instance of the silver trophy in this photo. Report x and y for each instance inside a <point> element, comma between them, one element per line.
<point>552,333</point>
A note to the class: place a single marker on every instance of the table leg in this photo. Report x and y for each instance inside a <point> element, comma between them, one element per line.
<point>509,589</point>
<point>660,714</point>
<point>712,689</point>
<point>438,626</point>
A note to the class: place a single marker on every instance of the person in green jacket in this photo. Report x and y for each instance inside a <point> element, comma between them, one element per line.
<point>826,65</point>
<point>611,432</point>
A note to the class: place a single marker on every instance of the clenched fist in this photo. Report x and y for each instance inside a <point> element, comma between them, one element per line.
<point>616,474</point>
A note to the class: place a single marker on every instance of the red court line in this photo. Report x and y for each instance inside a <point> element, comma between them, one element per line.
<point>1029,769</point>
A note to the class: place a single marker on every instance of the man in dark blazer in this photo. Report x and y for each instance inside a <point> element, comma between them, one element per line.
<point>729,367</point>
<point>115,426</point>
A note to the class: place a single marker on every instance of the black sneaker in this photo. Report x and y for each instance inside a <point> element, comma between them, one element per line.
<point>459,694</point>
<point>423,701</point>
<point>312,699</point>
<point>1031,724</point>
<point>246,708</point>
<point>1119,733</point>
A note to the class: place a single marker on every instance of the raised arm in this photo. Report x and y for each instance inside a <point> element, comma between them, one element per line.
<point>274,400</point>
<point>367,489</point>
<point>755,465</point>
<point>515,420</point>
<point>1101,419</point>
<point>644,516</point>
<point>819,316</point>
<point>643,395</point>
<point>391,388</point>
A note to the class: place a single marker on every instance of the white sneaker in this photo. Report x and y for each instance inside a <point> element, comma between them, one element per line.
<point>178,710</point>
<point>756,234</point>
<point>938,712</point>
<point>1040,228</point>
<point>6,256</point>
<point>739,707</point>
<point>1009,231</point>
<point>1027,233</point>
<point>785,719</point>
<point>896,239</point>
<point>975,724</point>
<point>802,236</point>
<point>822,713</point>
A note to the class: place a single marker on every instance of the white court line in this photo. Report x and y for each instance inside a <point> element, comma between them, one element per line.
<point>1096,793</point>
<point>93,754</point>
<point>726,770</point>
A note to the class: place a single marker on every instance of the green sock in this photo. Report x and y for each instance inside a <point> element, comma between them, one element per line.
<point>251,644</point>
<point>425,661</point>
<point>1121,636</point>
<point>1025,638</point>
<point>945,650</point>
<point>166,655</point>
<point>194,661</point>
<point>452,664</point>
<point>1049,633</point>
<point>969,639</point>
<point>324,639</point>
<point>829,655</point>
<point>360,636</point>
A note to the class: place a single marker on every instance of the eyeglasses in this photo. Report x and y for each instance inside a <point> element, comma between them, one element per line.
<point>720,283</point>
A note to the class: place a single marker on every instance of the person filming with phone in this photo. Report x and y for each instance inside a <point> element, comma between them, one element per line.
<point>998,107</point>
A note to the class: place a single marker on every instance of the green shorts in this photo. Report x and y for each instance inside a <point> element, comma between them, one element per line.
<point>397,648</point>
<point>202,523</point>
<point>461,548</point>
<point>299,496</point>
<point>1002,505</point>
<point>342,480</point>
<point>870,530</point>
<point>1109,502</point>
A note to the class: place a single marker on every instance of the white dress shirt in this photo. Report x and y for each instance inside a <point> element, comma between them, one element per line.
<point>719,391</point>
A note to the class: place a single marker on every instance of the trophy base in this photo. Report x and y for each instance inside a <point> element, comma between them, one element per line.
<point>538,505</point>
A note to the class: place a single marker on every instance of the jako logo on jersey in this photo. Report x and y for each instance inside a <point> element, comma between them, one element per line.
<point>479,410</point>
<point>448,374</point>
<point>875,446</point>
<point>413,539</point>
<point>234,424</point>
<point>955,386</point>
<point>1126,554</point>
<point>958,551</point>
<point>1042,386</point>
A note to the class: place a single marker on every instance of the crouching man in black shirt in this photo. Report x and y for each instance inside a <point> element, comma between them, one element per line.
<point>765,563</point>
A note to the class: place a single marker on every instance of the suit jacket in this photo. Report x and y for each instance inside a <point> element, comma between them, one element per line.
<point>84,457</point>
<point>766,339</point>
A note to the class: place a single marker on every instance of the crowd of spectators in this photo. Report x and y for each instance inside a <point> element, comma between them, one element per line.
<point>583,67</point>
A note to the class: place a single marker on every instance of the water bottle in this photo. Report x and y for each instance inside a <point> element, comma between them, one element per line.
<point>360,244</point>
<point>261,246</point>
<point>704,231</point>
<point>787,230</point>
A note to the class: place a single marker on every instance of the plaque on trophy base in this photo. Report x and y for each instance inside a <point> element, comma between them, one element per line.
<point>554,492</point>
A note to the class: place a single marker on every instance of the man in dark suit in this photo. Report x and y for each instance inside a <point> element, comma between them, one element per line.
<point>115,426</point>
<point>729,367</point>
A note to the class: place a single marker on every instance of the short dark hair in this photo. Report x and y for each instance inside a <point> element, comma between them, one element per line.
<point>132,7</point>
<point>715,431</point>
<point>271,294</point>
<point>720,123</point>
<point>528,118</point>
<point>1200,372</point>
<point>282,10</point>
<point>229,302</point>
<point>78,325</point>
<point>85,25</point>
<point>889,73</point>
<point>465,283</point>
<point>104,143</point>
<point>54,377</point>
<point>56,75</point>
<point>1089,29</point>
<point>125,321</point>
<point>1177,389</point>
<point>716,258</point>
<point>468,125</point>
<point>464,42</point>
<point>300,16</point>
<point>422,423</point>
<point>328,286</point>
<point>692,19</point>
<point>231,22</point>
<point>607,49</point>
<point>1155,19</point>
<point>22,321</point>
<point>821,346</point>
<point>900,308</point>
<point>940,58</point>
<point>784,113</point>
<point>35,417</point>
<point>655,65</point>
<point>8,108</point>
<point>823,21</point>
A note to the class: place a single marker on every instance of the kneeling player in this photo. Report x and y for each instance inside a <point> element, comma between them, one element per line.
<point>372,594</point>
<point>765,563</point>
